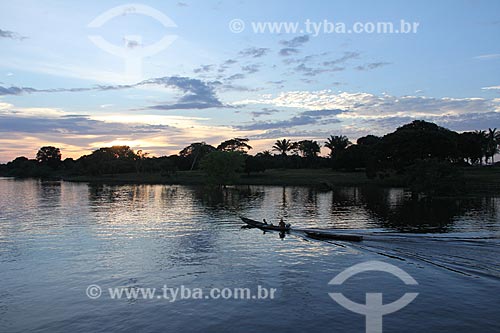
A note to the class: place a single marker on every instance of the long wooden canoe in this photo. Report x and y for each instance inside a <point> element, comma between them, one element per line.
<point>312,233</point>
<point>262,225</point>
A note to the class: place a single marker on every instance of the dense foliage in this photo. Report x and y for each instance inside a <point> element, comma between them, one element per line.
<point>425,153</point>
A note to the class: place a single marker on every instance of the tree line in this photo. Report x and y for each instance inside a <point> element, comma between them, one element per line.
<point>415,145</point>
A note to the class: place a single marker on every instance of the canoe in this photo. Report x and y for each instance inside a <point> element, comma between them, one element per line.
<point>312,233</point>
<point>328,235</point>
<point>262,225</point>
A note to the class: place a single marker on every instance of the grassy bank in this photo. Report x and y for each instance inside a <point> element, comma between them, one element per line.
<point>297,177</point>
<point>483,179</point>
<point>477,179</point>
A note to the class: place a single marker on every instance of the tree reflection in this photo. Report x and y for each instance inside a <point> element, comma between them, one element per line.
<point>396,209</point>
<point>233,199</point>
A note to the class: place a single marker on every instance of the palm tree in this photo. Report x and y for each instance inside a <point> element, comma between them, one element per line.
<point>283,146</point>
<point>309,148</point>
<point>265,153</point>
<point>493,142</point>
<point>483,139</point>
<point>336,144</point>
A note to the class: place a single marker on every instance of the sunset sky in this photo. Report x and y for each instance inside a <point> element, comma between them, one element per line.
<point>204,81</point>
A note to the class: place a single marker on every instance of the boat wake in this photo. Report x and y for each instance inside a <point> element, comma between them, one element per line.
<point>475,256</point>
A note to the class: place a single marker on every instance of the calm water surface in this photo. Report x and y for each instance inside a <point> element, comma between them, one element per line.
<point>56,238</point>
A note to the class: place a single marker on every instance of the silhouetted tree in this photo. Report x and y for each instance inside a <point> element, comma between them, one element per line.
<point>309,148</point>
<point>434,177</point>
<point>417,140</point>
<point>140,158</point>
<point>493,138</point>
<point>167,166</point>
<point>236,144</point>
<point>369,140</point>
<point>255,163</point>
<point>265,153</point>
<point>471,147</point>
<point>284,146</point>
<point>433,149</point>
<point>483,138</point>
<point>109,160</point>
<point>50,156</point>
<point>337,144</point>
<point>195,152</point>
<point>354,157</point>
<point>221,167</point>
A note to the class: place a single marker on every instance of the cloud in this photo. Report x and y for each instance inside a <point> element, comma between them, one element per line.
<point>56,121</point>
<point>234,87</point>
<point>292,45</point>
<point>131,43</point>
<point>370,106</point>
<point>82,125</point>
<point>302,119</point>
<point>309,71</point>
<point>372,65</point>
<point>182,4</point>
<point>279,82</point>
<point>226,64</point>
<point>325,67</point>
<point>488,56</point>
<point>230,62</point>
<point>459,122</point>
<point>491,88</point>
<point>295,42</point>
<point>347,56</point>
<point>24,130</point>
<point>304,59</point>
<point>288,51</point>
<point>197,94</point>
<point>237,76</point>
<point>470,121</point>
<point>11,35</point>
<point>377,126</point>
<point>13,90</point>
<point>203,69</point>
<point>264,112</point>
<point>323,113</point>
<point>254,52</point>
<point>278,133</point>
<point>250,69</point>
<point>292,122</point>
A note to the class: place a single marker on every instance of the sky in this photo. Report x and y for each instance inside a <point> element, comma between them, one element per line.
<point>159,75</point>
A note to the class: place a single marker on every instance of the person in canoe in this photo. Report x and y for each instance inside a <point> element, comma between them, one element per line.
<point>282,224</point>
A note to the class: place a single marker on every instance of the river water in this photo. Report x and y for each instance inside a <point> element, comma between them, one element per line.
<point>57,238</point>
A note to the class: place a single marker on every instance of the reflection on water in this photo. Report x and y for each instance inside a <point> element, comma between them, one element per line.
<point>391,209</point>
<point>56,238</point>
<point>346,208</point>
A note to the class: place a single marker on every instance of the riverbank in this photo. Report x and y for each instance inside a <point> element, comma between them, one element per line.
<point>297,177</point>
<point>485,180</point>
